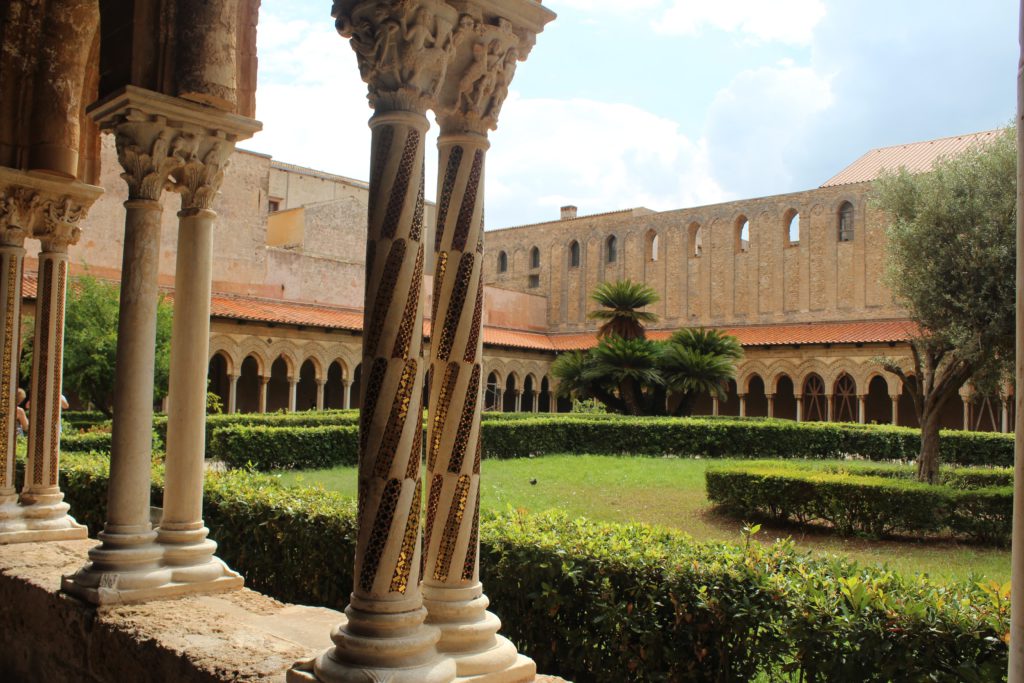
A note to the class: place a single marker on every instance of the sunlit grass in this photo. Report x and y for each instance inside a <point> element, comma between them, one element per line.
<point>670,491</point>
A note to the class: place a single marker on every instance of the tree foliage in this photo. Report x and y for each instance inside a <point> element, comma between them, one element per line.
<point>631,374</point>
<point>90,343</point>
<point>952,265</point>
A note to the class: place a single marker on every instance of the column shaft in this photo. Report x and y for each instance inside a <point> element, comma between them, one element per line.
<point>862,406</point>
<point>799,408</point>
<point>771,404</point>
<point>895,409</point>
<point>182,533</point>
<point>232,407</point>
<point>12,259</point>
<point>264,381</point>
<point>743,405</point>
<point>714,405</point>
<point>967,414</point>
<point>293,394</point>
<point>346,395</point>
<point>320,394</point>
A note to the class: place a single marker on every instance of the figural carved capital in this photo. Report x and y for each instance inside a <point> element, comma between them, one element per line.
<point>403,48</point>
<point>44,207</point>
<point>149,153</point>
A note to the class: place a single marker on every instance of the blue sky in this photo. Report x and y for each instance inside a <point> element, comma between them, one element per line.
<point>672,103</point>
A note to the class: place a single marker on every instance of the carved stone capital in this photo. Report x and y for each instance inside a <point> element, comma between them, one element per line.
<point>403,48</point>
<point>166,143</point>
<point>42,206</point>
<point>200,177</point>
<point>489,41</point>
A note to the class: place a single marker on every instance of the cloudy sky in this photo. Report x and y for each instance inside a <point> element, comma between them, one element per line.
<point>672,103</point>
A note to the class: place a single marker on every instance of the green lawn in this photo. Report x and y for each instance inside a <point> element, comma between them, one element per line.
<point>670,491</point>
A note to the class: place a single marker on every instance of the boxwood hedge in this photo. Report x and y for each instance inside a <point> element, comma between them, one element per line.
<point>274,447</point>
<point>875,501</point>
<point>608,602</point>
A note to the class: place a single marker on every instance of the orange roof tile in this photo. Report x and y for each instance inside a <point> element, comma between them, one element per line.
<point>916,157</point>
<point>237,307</point>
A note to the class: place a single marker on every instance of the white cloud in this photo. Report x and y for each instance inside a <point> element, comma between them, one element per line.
<point>758,126</point>
<point>596,155</point>
<point>786,21</point>
<point>609,6</point>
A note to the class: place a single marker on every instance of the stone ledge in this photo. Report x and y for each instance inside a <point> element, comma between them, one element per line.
<point>49,636</point>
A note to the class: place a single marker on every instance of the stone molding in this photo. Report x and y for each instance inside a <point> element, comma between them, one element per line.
<point>43,206</point>
<point>165,143</point>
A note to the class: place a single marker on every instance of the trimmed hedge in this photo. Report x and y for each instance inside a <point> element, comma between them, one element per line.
<point>276,448</point>
<point>83,419</point>
<point>609,602</point>
<point>85,442</point>
<point>282,448</point>
<point>859,500</point>
<point>308,418</point>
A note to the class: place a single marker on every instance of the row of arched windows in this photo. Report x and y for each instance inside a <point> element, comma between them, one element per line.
<point>844,227</point>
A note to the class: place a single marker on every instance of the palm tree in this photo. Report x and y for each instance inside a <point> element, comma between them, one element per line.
<point>630,365</point>
<point>698,361</point>
<point>620,303</point>
<point>574,373</point>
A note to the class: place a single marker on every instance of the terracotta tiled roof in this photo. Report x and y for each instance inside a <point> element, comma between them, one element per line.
<point>916,157</point>
<point>235,307</point>
<point>858,332</point>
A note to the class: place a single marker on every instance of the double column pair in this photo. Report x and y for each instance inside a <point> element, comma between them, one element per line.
<point>135,562</point>
<point>49,209</point>
<point>417,610</point>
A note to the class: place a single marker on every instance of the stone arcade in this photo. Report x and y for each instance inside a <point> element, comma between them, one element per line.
<point>173,81</point>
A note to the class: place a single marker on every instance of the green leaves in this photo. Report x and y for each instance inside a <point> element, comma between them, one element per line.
<point>620,302</point>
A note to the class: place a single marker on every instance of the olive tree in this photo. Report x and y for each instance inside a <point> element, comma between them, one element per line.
<point>952,263</point>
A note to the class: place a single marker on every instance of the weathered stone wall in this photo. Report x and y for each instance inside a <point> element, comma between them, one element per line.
<point>769,279</point>
<point>48,636</point>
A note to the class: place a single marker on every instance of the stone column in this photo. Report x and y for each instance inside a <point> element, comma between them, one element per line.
<point>15,206</point>
<point>264,381</point>
<point>293,394</point>
<point>486,51</point>
<point>799,407</point>
<point>501,400</point>
<point>831,407</point>
<point>55,224</point>
<point>771,404</point>
<point>182,533</point>
<point>536,402</point>
<point>967,413</point>
<point>320,383</point>
<point>49,209</point>
<point>862,409</point>
<point>895,409</point>
<point>346,399</point>
<point>743,404</point>
<point>401,48</point>
<point>715,405</point>
<point>232,394</point>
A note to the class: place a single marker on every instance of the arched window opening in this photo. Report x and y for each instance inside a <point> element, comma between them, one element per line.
<point>354,396</point>
<point>611,249</point>
<point>846,222</point>
<point>306,392</point>
<point>742,235</point>
<point>508,399</point>
<point>492,394</point>
<point>652,246</point>
<point>544,400</point>
<point>334,390</point>
<point>277,389</point>
<point>878,406</point>
<point>502,262</point>
<point>218,381</point>
<point>784,401</point>
<point>815,401</point>
<point>696,240</point>
<point>535,258</point>
<point>248,400</point>
<point>845,400</point>
<point>574,255</point>
<point>757,400</point>
<point>529,386</point>
<point>794,229</point>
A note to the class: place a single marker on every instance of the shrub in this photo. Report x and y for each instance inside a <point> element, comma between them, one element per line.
<point>83,419</point>
<point>282,448</point>
<point>85,442</point>
<point>309,418</point>
<point>609,602</point>
<point>864,500</point>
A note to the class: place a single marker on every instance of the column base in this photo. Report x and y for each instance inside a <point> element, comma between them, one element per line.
<point>46,519</point>
<point>189,554</point>
<point>469,635</point>
<point>397,648</point>
<point>128,567</point>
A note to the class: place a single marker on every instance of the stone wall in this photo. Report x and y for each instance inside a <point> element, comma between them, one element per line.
<point>727,280</point>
